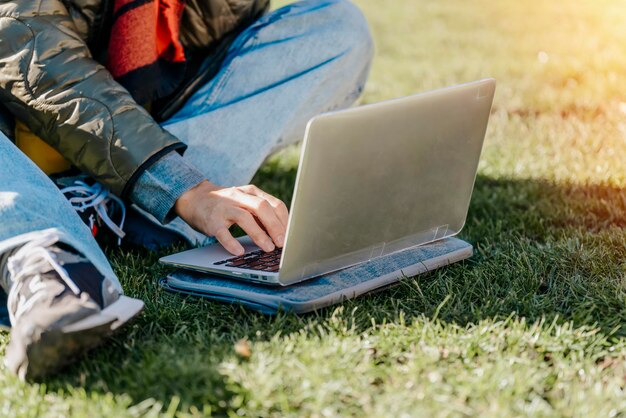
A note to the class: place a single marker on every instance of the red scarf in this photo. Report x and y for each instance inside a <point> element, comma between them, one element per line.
<point>145,54</point>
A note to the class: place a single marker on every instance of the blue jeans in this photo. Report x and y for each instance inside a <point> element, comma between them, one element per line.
<point>303,59</point>
<point>290,65</point>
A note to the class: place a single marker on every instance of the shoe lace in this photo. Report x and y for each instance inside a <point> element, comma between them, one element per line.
<point>31,260</point>
<point>83,196</point>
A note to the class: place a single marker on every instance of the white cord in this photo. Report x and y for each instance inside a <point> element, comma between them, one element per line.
<point>97,197</point>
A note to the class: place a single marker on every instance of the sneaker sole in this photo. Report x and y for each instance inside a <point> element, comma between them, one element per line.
<point>59,347</point>
<point>120,312</point>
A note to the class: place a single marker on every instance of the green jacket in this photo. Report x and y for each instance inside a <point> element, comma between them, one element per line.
<point>51,78</point>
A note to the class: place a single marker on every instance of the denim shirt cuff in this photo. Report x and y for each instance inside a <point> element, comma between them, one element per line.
<point>159,187</point>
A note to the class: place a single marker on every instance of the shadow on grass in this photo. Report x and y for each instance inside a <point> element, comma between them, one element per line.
<point>542,251</point>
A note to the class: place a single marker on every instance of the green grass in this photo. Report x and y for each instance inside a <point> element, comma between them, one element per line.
<point>533,325</point>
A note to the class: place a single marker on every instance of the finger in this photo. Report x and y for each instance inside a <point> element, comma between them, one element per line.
<point>279,206</point>
<point>267,216</point>
<point>229,242</point>
<point>244,219</point>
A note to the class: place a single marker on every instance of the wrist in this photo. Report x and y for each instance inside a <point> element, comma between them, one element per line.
<point>185,203</point>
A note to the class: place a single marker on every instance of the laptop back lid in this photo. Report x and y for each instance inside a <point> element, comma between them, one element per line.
<point>385,177</point>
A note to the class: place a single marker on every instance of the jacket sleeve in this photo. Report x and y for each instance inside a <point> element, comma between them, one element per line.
<point>49,81</point>
<point>159,187</point>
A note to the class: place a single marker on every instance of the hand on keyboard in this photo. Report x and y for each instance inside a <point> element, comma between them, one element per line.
<point>211,210</point>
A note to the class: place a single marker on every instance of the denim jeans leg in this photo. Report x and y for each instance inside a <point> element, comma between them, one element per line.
<point>31,204</point>
<point>298,61</point>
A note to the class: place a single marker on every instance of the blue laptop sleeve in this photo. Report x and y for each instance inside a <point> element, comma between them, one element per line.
<point>321,291</point>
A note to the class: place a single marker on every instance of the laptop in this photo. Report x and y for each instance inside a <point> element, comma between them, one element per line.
<point>372,181</point>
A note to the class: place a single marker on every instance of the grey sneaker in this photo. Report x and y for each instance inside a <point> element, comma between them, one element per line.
<point>60,306</point>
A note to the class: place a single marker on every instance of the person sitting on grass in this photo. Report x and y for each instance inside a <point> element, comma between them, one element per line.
<point>168,107</point>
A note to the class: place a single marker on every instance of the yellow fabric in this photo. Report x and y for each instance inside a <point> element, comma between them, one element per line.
<point>43,155</point>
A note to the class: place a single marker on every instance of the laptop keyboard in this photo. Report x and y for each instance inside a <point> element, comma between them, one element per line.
<point>257,260</point>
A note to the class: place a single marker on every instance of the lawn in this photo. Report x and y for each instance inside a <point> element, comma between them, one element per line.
<point>533,325</point>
